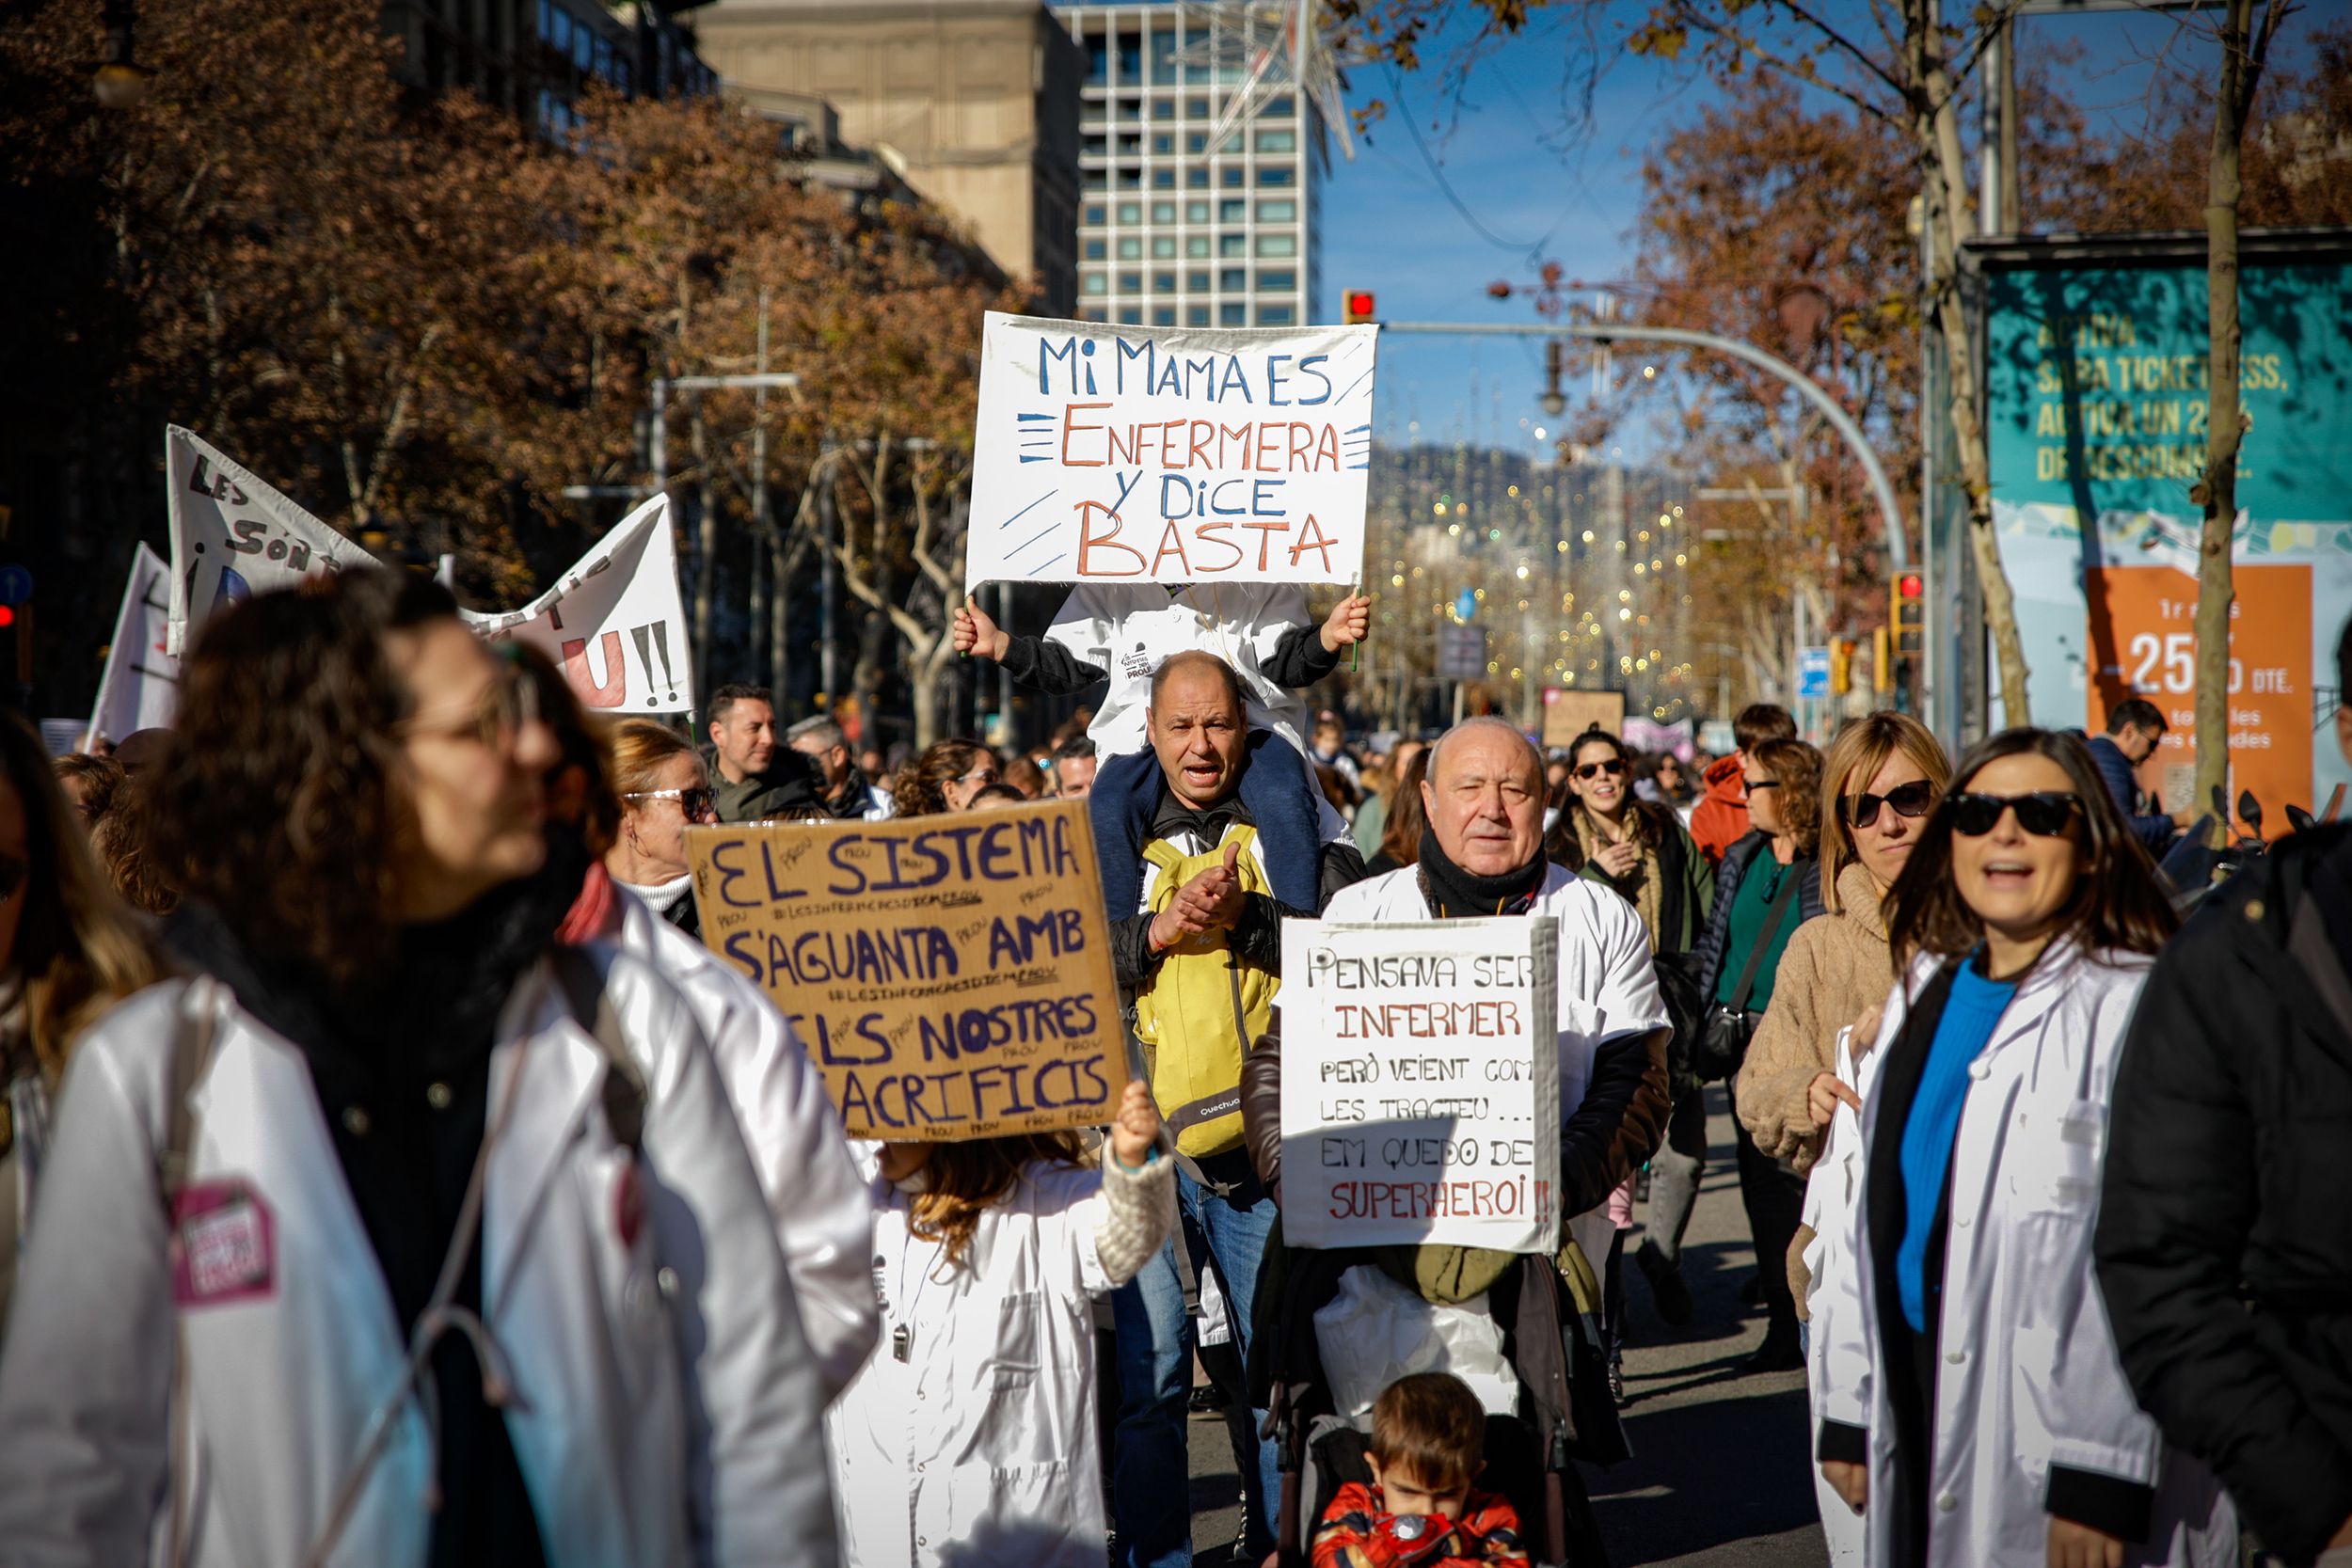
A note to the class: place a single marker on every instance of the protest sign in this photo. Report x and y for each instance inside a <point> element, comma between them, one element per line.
<point>1569,714</point>
<point>139,688</point>
<point>621,595</point>
<point>1131,454</point>
<point>233,536</point>
<point>950,975</point>
<point>1420,1083</point>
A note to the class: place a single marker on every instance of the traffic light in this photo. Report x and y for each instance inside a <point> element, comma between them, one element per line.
<point>1840,665</point>
<point>1359,307</point>
<point>1907,614</point>
<point>1882,661</point>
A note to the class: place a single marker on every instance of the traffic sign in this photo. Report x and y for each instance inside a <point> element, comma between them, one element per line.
<point>1466,607</point>
<point>1461,652</point>
<point>1813,672</point>
<point>16,585</point>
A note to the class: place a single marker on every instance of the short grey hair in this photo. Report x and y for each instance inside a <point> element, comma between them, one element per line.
<point>1483,722</point>
<point>823,731</point>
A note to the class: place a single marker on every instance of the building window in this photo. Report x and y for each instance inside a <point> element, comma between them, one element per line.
<point>1092,313</point>
<point>1131,316</point>
<point>1232,313</point>
<point>1130,212</point>
<point>1131,247</point>
<point>1094,283</point>
<point>1163,212</point>
<point>1162,248</point>
<point>1163,46</point>
<point>560,31</point>
<point>604,58</point>
<point>1195,142</point>
<point>1277,141</point>
<point>1276,315</point>
<point>1196,315</point>
<point>1232,211</point>
<point>1234,279</point>
<point>1276,175</point>
<point>1131,282</point>
<point>1163,145</point>
<point>1096,180</point>
<point>1095,146</point>
<point>1094,250</point>
<point>1129,180</point>
<point>1162,282</point>
<point>1195,212</point>
<point>1233,245</point>
<point>1130,59</point>
<point>1231,146</point>
<point>1163,108</point>
<point>1278,244</point>
<point>1277,279</point>
<point>1196,108</point>
<point>1231,177</point>
<point>1279,109</point>
<point>1195,178</point>
<point>1282,210</point>
<point>1098,61</point>
<point>1196,245</point>
<point>1163,315</point>
<point>1096,214</point>
<point>1196,282</point>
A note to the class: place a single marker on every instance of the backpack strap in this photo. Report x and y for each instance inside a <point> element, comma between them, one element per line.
<point>623,1090</point>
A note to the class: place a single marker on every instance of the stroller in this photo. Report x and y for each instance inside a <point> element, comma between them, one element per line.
<point>1565,1412</point>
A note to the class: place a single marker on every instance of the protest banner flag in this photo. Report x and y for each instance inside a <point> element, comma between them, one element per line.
<point>139,687</point>
<point>622,595</point>
<point>233,536</point>
<point>950,975</point>
<point>1421,1084</point>
<point>1173,456</point>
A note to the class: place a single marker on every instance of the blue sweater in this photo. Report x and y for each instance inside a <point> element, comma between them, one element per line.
<point>1970,1016</point>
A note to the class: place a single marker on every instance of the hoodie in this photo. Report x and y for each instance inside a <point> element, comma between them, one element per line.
<point>1720,819</point>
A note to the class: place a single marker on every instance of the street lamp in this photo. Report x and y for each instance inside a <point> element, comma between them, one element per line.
<point>119,82</point>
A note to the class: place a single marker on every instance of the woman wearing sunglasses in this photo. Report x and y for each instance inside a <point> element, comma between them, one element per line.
<point>1882,776</point>
<point>664,789</point>
<point>1996,1426</point>
<point>944,778</point>
<point>1769,885</point>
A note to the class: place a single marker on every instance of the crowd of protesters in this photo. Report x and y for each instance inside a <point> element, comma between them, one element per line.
<point>389,1173</point>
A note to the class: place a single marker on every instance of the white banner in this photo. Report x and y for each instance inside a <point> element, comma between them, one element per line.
<point>1121,454</point>
<point>233,536</point>
<point>139,688</point>
<point>621,599</point>
<point>1420,1083</point>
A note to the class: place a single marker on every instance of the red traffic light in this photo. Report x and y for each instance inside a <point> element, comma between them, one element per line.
<point>1359,309</point>
<point>8,616</point>
<point>1911,585</point>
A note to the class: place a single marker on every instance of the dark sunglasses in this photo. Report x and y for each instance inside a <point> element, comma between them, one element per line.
<point>1911,799</point>
<point>695,803</point>
<point>13,870</point>
<point>1614,767</point>
<point>2043,814</point>
<point>1755,786</point>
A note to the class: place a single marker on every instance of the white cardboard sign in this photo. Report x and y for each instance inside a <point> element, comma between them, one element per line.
<point>621,599</point>
<point>233,536</point>
<point>1131,454</point>
<point>139,688</point>
<point>1420,1083</point>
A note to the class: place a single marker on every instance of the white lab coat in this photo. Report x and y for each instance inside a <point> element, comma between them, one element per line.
<point>2030,1377</point>
<point>979,1450</point>
<point>665,1410</point>
<point>823,1214</point>
<point>1831,1195</point>
<point>1128,628</point>
<point>1607,984</point>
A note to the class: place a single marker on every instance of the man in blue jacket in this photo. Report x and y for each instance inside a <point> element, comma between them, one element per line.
<point>2135,726</point>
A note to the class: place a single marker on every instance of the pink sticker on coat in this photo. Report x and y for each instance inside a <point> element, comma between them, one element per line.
<point>223,1244</point>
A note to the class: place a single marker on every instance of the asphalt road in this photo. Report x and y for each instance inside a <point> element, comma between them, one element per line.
<point>1720,1475</point>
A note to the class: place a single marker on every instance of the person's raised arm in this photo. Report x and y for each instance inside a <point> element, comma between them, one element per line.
<point>1037,663</point>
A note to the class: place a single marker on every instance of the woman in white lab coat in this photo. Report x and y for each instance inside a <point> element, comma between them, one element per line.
<point>970,1439</point>
<point>397,1235</point>
<point>1996,1429</point>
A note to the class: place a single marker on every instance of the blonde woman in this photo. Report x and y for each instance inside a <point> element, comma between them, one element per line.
<point>664,788</point>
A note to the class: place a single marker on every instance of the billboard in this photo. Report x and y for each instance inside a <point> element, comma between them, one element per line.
<point>2096,403</point>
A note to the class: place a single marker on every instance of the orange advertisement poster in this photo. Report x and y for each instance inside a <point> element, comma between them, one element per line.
<point>2143,641</point>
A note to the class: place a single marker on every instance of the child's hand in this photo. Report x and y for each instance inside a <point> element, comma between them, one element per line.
<point>1349,623</point>
<point>1135,1126</point>
<point>974,633</point>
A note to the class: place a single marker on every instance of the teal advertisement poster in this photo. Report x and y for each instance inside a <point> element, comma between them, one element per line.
<point>2096,415</point>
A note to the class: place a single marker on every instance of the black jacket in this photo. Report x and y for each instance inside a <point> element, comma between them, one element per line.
<point>1708,955</point>
<point>2224,1242</point>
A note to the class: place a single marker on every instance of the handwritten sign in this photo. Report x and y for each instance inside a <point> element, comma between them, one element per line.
<point>1127,454</point>
<point>621,598</point>
<point>139,688</point>
<point>1420,1083</point>
<point>233,536</point>
<point>951,975</point>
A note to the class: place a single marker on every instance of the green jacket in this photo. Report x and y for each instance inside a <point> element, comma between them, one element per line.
<point>754,800</point>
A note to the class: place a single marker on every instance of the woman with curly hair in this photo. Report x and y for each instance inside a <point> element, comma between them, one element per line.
<point>971,1436</point>
<point>944,778</point>
<point>392,1222</point>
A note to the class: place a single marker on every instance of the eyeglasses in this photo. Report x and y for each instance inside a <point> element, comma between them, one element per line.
<point>1911,799</point>
<point>979,775</point>
<point>13,870</point>
<point>2044,812</point>
<point>511,703</point>
<point>1614,767</point>
<point>696,804</point>
<point>1757,786</point>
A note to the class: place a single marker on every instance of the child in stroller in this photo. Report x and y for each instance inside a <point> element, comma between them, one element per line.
<point>1419,1509</point>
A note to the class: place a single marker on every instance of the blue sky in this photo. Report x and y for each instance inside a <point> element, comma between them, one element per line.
<point>1388,225</point>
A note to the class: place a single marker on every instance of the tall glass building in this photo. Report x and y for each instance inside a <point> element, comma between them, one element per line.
<point>1172,231</point>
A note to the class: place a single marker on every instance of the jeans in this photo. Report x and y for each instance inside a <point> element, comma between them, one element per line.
<point>1150,1490</point>
<point>1673,1175</point>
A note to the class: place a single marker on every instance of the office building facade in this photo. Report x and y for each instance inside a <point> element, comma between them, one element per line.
<point>1172,230</point>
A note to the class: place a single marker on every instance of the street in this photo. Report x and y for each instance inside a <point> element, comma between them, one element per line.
<point>1719,1474</point>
